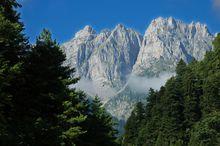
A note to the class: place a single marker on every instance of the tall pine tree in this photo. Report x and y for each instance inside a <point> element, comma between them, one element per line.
<point>133,122</point>
<point>13,46</point>
<point>43,94</point>
<point>99,126</point>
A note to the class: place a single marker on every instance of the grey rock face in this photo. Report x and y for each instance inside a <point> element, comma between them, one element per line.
<point>106,58</point>
<point>166,41</point>
<point>110,57</point>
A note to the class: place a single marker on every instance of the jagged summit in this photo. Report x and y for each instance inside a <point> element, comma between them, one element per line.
<point>168,40</point>
<point>161,24</point>
<point>85,32</point>
<point>107,59</point>
<point>88,31</point>
<point>88,28</point>
<point>120,26</point>
<point>164,21</point>
<point>105,30</point>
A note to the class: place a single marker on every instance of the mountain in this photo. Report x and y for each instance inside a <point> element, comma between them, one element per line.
<point>166,41</point>
<point>106,58</point>
<point>120,64</point>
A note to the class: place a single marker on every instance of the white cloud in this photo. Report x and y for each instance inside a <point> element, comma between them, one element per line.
<point>216,4</point>
<point>142,84</point>
<point>92,88</point>
<point>137,83</point>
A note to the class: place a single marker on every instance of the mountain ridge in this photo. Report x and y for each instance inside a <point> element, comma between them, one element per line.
<point>109,60</point>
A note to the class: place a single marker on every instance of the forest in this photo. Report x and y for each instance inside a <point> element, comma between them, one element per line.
<point>38,107</point>
<point>185,111</point>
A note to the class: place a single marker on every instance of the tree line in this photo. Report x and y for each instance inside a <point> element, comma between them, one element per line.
<point>185,111</point>
<point>37,107</point>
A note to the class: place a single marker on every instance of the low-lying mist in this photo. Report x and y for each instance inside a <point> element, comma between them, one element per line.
<point>92,89</point>
<point>141,84</point>
<point>136,83</point>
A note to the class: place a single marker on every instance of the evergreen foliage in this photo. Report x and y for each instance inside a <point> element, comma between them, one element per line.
<point>185,112</point>
<point>38,107</point>
<point>13,46</point>
<point>133,122</point>
<point>207,131</point>
<point>73,118</point>
<point>99,126</point>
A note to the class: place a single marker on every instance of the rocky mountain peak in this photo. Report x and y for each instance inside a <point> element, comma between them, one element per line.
<point>120,26</point>
<point>87,31</point>
<point>106,57</point>
<point>111,60</point>
<point>168,40</point>
<point>119,30</point>
<point>161,25</point>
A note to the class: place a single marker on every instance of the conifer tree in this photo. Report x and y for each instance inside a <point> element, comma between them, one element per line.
<point>192,93</point>
<point>181,68</point>
<point>210,73</point>
<point>150,120</point>
<point>45,90</point>
<point>7,8</point>
<point>13,43</point>
<point>187,107</point>
<point>73,118</point>
<point>7,74</point>
<point>207,131</point>
<point>99,126</point>
<point>173,110</point>
<point>133,122</point>
<point>37,105</point>
<point>13,46</point>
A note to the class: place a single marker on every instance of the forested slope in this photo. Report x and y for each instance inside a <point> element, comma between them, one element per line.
<point>186,111</point>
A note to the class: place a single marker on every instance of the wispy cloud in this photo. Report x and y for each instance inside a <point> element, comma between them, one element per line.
<point>216,8</point>
<point>92,88</point>
<point>139,84</point>
<point>142,84</point>
<point>216,4</point>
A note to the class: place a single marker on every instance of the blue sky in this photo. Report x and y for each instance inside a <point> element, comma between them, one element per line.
<point>65,17</point>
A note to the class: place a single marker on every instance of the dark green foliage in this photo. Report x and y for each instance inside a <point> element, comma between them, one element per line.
<point>209,70</point>
<point>133,122</point>
<point>13,46</point>
<point>37,105</point>
<point>207,131</point>
<point>148,133</point>
<point>7,75</point>
<point>73,118</point>
<point>44,91</point>
<point>7,9</point>
<point>172,114</point>
<point>192,90</point>
<point>186,110</point>
<point>99,127</point>
<point>181,68</point>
